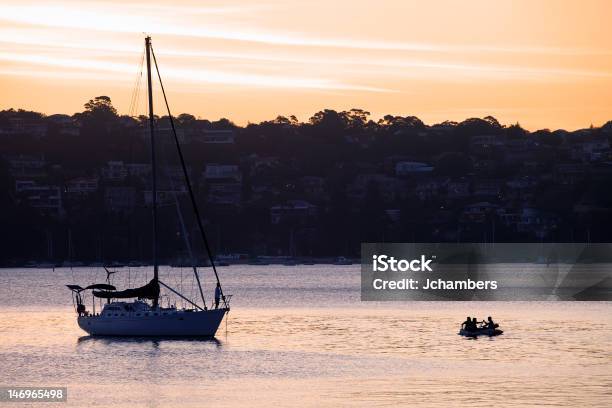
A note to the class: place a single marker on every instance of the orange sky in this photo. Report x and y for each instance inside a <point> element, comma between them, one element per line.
<point>543,63</point>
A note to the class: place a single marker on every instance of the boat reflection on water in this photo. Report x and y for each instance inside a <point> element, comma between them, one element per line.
<point>155,341</point>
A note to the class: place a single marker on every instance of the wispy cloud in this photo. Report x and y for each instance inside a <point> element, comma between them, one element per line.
<point>192,75</point>
<point>103,17</point>
<point>406,66</point>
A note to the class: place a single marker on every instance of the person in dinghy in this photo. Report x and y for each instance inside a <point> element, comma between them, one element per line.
<point>489,324</point>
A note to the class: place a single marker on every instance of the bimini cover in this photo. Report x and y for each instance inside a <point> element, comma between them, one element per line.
<point>148,291</point>
<point>101,286</point>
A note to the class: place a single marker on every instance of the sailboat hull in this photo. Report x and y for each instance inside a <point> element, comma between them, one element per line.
<point>202,323</point>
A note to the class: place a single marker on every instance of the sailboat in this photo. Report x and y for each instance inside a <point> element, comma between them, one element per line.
<point>137,311</point>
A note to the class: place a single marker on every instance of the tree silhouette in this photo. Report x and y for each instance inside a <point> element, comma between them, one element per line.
<point>100,107</point>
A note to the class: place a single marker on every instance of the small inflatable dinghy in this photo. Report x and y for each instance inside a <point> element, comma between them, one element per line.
<point>480,332</point>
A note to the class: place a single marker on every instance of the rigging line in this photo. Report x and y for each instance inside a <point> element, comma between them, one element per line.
<point>191,285</point>
<point>181,284</point>
<point>70,252</point>
<point>137,84</point>
<point>136,106</point>
<point>181,221</point>
<point>136,87</point>
<point>131,107</point>
<point>178,294</point>
<point>191,195</point>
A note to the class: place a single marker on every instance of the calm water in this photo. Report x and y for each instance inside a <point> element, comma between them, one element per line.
<point>299,336</point>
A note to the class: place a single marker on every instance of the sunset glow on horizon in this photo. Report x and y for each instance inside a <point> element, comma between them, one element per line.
<point>542,63</point>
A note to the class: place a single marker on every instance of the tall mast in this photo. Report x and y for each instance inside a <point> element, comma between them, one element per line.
<point>153,167</point>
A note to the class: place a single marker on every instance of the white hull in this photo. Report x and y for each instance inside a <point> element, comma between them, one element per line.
<point>162,323</point>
